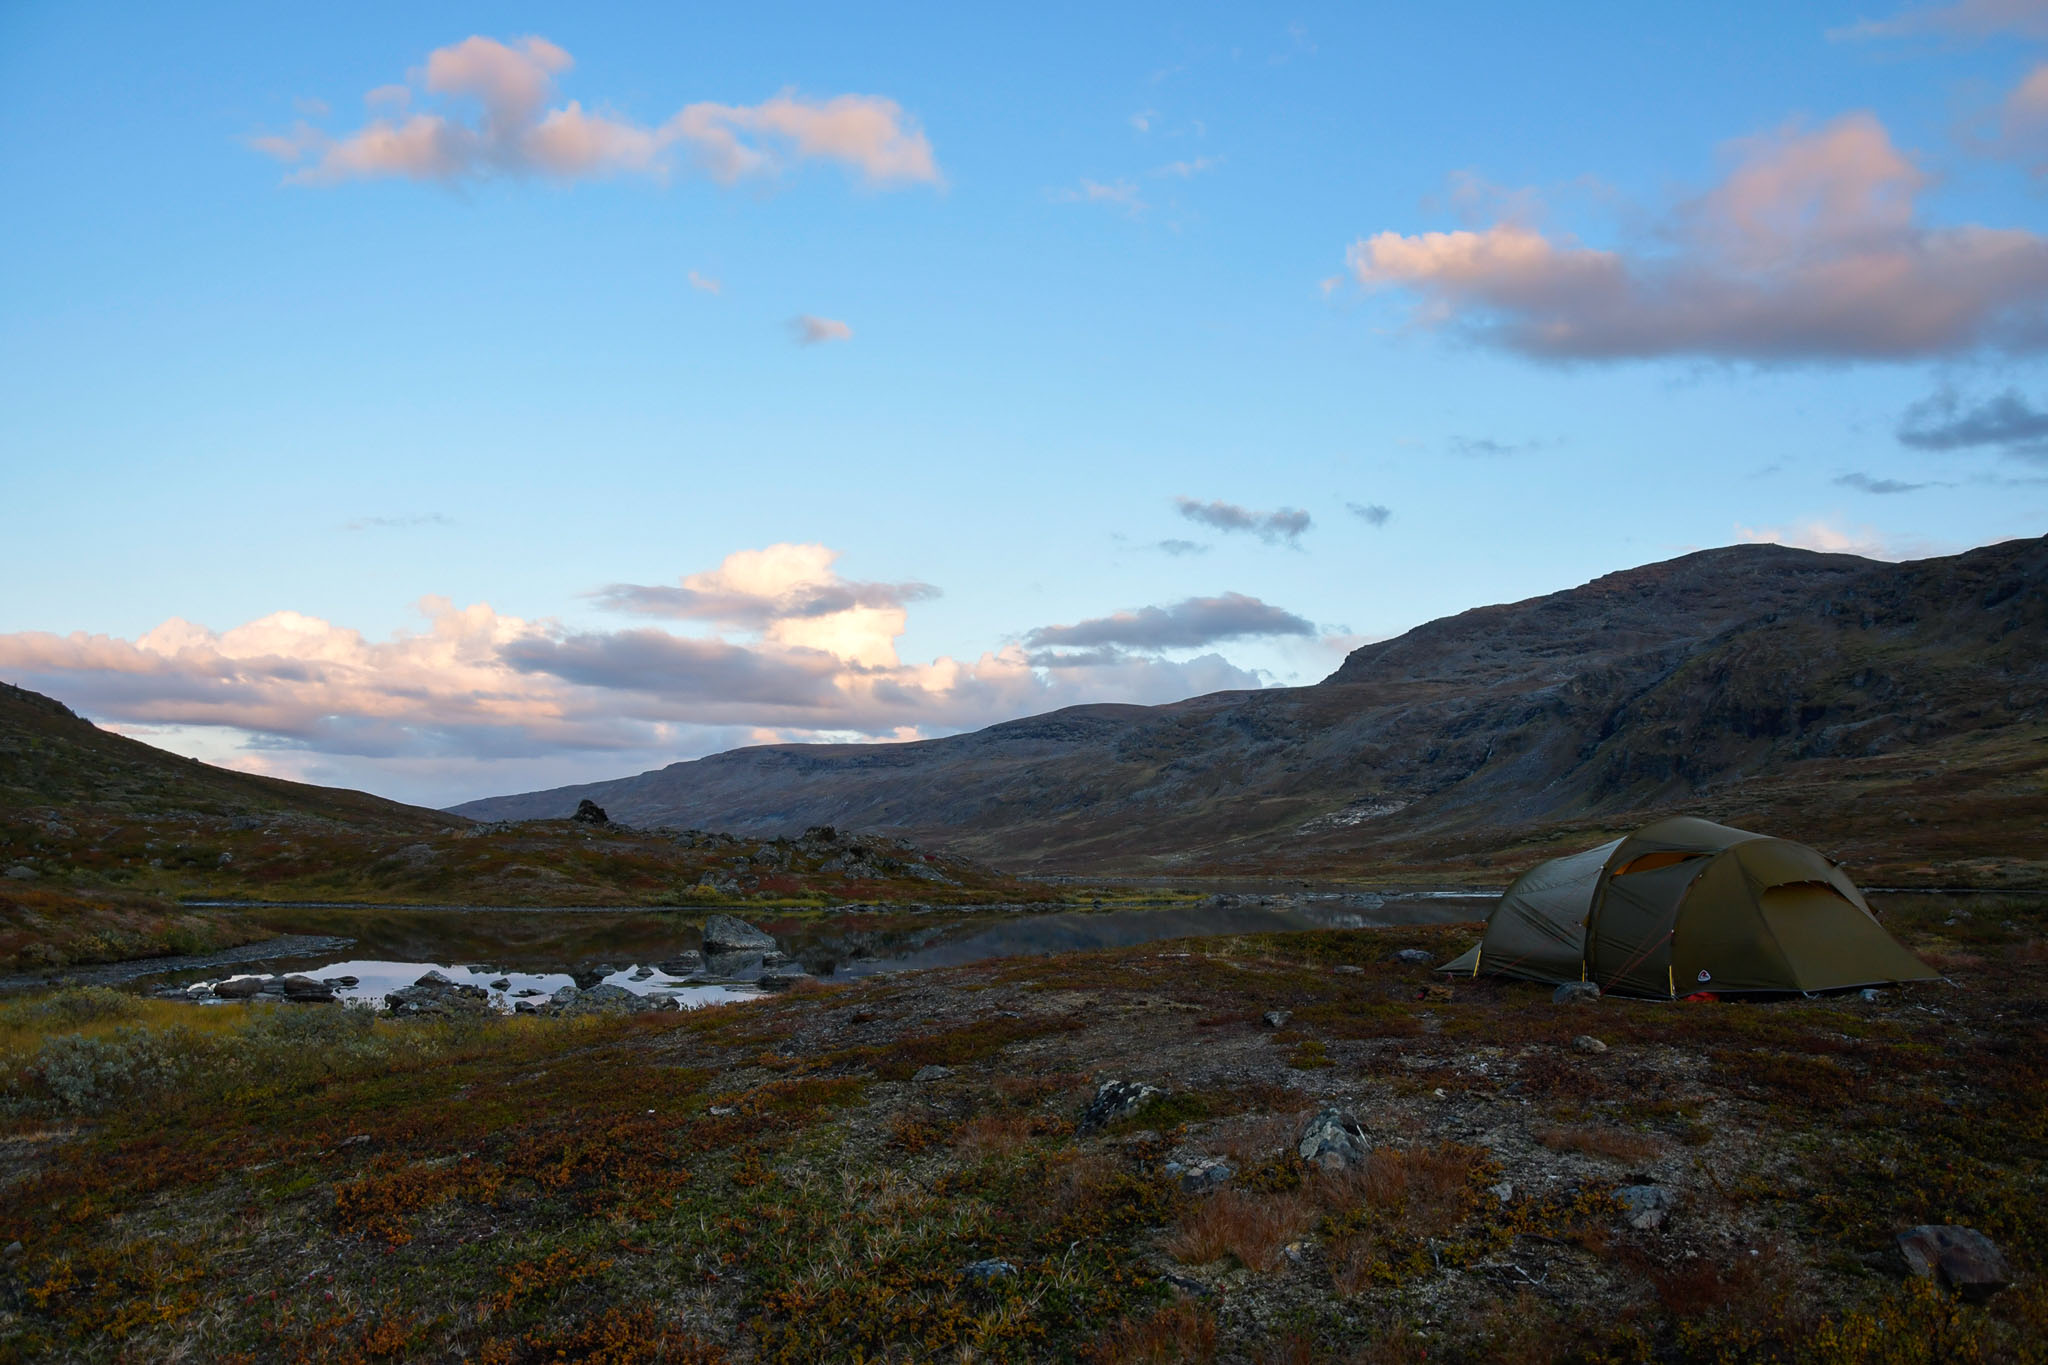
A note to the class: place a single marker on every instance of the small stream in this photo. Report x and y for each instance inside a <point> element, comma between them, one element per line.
<point>515,955</point>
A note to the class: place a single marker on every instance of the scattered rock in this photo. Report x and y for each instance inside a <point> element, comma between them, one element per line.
<point>1644,1206</point>
<point>1276,1018</point>
<point>588,812</point>
<point>1963,1258</point>
<point>434,995</point>
<point>307,989</point>
<point>987,1272</point>
<point>1200,1176</point>
<point>1115,1100</point>
<point>1413,956</point>
<point>606,998</point>
<point>240,988</point>
<point>1575,993</point>
<point>1505,1191</point>
<point>725,934</point>
<point>927,1074</point>
<point>22,872</point>
<point>1334,1140</point>
<point>1588,1044</point>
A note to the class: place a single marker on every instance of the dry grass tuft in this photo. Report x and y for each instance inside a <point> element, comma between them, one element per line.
<point>1179,1332</point>
<point>1611,1143</point>
<point>1252,1227</point>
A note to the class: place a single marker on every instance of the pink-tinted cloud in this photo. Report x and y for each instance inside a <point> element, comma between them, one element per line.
<point>496,119</point>
<point>1964,18</point>
<point>814,331</point>
<point>1810,249</point>
<point>790,647</point>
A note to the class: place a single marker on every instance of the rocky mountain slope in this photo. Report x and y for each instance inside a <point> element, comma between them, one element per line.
<point>1895,711</point>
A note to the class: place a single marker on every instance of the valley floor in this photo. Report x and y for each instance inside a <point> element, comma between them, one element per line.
<point>895,1169</point>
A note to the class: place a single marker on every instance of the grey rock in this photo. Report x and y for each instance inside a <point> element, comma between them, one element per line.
<point>588,812</point>
<point>1505,1191</point>
<point>931,1073</point>
<point>1589,1045</point>
<point>434,977</point>
<point>1575,993</point>
<point>526,992</point>
<point>725,934</point>
<point>1870,996</point>
<point>782,978</point>
<point>1276,1018</point>
<point>240,988</point>
<point>1115,1100</point>
<point>1645,1206</point>
<point>22,872</point>
<point>306,988</point>
<point>199,990</point>
<point>564,995</point>
<point>1349,970</point>
<point>1963,1258</point>
<point>503,983</point>
<point>682,964</point>
<point>1414,956</point>
<point>344,982</point>
<point>987,1272</point>
<point>1188,1285</point>
<point>1333,1140</point>
<point>732,964</point>
<point>13,1249</point>
<point>435,996</point>
<point>609,999</point>
<point>1201,1176</point>
<point>643,973</point>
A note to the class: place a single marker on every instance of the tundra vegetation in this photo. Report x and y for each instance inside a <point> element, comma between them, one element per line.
<point>895,1169</point>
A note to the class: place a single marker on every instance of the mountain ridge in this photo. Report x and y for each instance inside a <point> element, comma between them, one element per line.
<point>1709,680</point>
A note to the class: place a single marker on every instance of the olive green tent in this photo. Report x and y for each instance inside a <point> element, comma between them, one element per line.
<point>1687,905</point>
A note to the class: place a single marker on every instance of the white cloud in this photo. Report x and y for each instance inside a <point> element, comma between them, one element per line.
<point>1829,537</point>
<point>791,647</point>
<point>813,331</point>
<point>508,88</point>
<point>1809,250</point>
<point>705,283</point>
<point>1120,194</point>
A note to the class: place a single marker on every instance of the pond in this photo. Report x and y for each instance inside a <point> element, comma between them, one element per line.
<point>529,954</point>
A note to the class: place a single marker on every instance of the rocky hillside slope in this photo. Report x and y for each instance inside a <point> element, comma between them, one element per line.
<point>1899,711</point>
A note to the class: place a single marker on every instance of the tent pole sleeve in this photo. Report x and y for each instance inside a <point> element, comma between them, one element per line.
<point>1477,953</point>
<point>1670,981</point>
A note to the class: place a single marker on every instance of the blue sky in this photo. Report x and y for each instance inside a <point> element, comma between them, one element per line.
<point>1558,291</point>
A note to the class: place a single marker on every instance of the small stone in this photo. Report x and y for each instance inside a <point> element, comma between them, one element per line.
<point>642,973</point>
<point>1644,1206</point>
<point>1349,970</point>
<point>927,1074</point>
<point>1963,1258</point>
<point>1575,993</point>
<point>1588,1044</point>
<point>1413,956</point>
<point>14,1248</point>
<point>1295,1252</point>
<point>1115,1100</point>
<point>1186,1284</point>
<point>1505,1191</point>
<point>1334,1140</point>
<point>1870,996</point>
<point>1276,1018</point>
<point>503,983</point>
<point>721,1111</point>
<point>987,1272</point>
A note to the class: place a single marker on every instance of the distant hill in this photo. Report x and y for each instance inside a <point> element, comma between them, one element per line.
<point>52,757</point>
<point>1895,711</point>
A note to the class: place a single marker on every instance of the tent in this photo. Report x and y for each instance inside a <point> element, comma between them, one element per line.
<point>1687,905</point>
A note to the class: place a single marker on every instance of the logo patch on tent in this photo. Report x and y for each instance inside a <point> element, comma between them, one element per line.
<point>1706,975</point>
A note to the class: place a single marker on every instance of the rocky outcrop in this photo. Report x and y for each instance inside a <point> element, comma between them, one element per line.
<point>435,996</point>
<point>725,934</point>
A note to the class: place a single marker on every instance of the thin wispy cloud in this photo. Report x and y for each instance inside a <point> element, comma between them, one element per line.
<point>1967,19</point>
<point>1180,547</point>
<point>816,331</point>
<point>1809,250</point>
<point>1122,195</point>
<point>1189,624</point>
<point>1371,513</point>
<point>396,523</point>
<point>2006,423</point>
<point>494,115</point>
<point>1284,524</point>
<point>706,283</point>
<point>1865,483</point>
<point>1486,447</point>
<point>1187,170</point>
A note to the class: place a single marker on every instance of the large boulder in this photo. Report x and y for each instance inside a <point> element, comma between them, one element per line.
<point>725,934</point>
<point>308,989</point>
<point>588,812</point>
<point>1334,1140</point>
<point>435,996</point>
<point>1963,1258</point>
<point>241,987</point>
